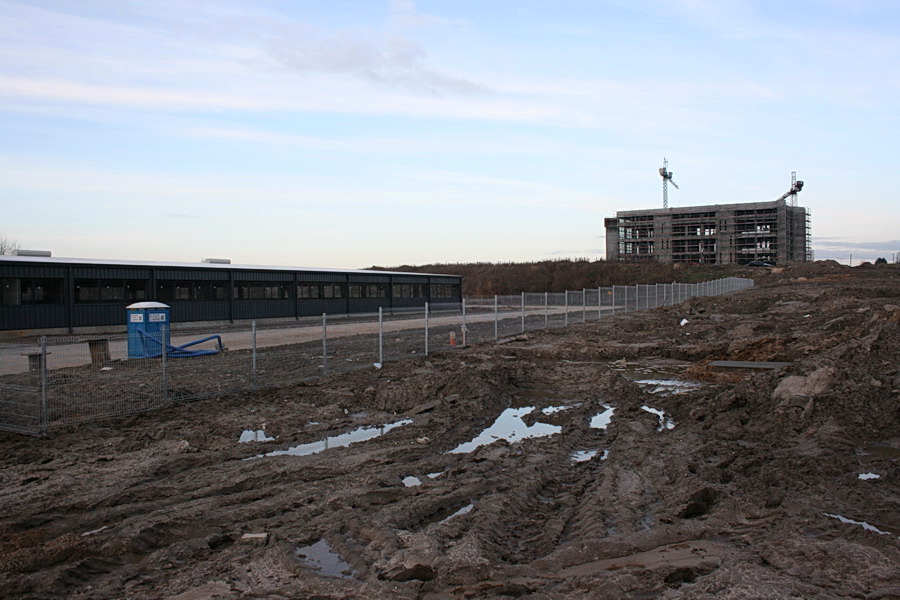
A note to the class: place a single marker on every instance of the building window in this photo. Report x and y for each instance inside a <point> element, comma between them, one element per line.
<point>15,291</point>
<point>110,290</point>
<point>261,290</point>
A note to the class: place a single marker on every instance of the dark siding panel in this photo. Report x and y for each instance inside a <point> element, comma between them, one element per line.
<point>263,276</point>
<point>370,279</point>
<point>193,275</point>
<point>322,277</point>
<point>88,315</point>
<point>263,309</point>
<point>111,272</point>
<point>183,312</point>
<point>317,307</point>
<point>32,317</point>
<point>405,302</point>
<point>363,305</point>
<point>35,271</point>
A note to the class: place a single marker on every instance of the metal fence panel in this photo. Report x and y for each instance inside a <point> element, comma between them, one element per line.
<point>75,379</point>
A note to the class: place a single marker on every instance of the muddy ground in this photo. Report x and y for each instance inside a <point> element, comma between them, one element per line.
<point>751,484</point>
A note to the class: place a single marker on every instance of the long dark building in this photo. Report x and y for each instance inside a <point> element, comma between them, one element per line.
<point>773,232</point>
<point>67,294</point>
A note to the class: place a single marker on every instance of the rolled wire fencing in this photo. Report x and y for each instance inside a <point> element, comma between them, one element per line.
<point>65,380</point>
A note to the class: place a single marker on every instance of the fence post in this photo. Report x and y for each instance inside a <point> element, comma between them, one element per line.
<point>380,336</point>
<point>426,329</point>
<point>45,409</point>
<point>614,299</point>
<point>583,305</point>
<point>523,312</point>
<point>464,327</point>
<point>253,353</point>
<point>165,374</point>
<point>324,344</point>
<point>496,318</point>
<point>546,311</point>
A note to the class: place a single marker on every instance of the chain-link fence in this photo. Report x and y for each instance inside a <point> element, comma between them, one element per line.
<point>73,379</point>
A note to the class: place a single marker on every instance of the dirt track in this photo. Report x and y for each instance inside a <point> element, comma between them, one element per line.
<point>741,498</point>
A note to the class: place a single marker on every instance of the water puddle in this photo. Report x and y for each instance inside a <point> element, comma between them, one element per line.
<point>865,476</point>
<point>258,435</point>
<point>667,386</point>
<point>555,409</point>
<point>321,558</point>
<point>435,475</point>
<point>664,421</point>
<point>862,524</point>
<point>601,420</point>
<point>462,511</point>
<point>508,426</point>
<point>582,455</point>
<point>412,481</point>
<point>339,441</point>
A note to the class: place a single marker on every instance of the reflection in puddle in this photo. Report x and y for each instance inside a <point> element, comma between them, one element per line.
<point>583,455</point>
<point>435,475</point>
<point>869,476</point>
<point>862,524</point>
<point>320,557</point>
<point>509,426</point>
<point>250,435</point>
<point>555,409</point>
<point>664,421</point>
<point>411,481</point>
<point>338,441</point>
<point>666,386</point>
<point>463,511</point>
<point>601,420</point>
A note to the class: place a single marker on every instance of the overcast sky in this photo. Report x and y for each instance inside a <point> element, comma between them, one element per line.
<point>350,133</point>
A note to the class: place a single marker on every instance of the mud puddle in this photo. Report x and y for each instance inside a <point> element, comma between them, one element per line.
<point>602,419</point>
<point>665,422</point>
<point>863,524</point>
<point>254,435</point>
<point>509,426</point>
<point>339,441</point>
<point>321,558</point>
<point>657,377</point>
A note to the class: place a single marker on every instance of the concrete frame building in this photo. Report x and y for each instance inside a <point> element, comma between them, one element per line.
<point>773,232</point>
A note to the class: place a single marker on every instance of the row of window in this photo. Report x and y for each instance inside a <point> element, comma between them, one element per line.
<point>16,291</point>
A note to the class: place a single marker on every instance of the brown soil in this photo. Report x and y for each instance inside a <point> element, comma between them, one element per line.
<point>732,502</point>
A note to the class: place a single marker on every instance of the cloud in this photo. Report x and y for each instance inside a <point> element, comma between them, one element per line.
<point>404,14</point>
<point>838,243</point>
<point>382,60</point>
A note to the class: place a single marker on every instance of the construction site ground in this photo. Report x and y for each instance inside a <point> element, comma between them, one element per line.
<point>605,460</point>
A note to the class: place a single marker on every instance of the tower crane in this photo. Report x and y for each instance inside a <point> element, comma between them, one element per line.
<point>666,175</point>
<point>796,186</point>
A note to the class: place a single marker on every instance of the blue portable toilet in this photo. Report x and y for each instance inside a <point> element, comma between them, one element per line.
<point>148,329</point>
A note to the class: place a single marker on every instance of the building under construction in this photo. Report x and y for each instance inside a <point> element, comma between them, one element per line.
<point>773,232</point>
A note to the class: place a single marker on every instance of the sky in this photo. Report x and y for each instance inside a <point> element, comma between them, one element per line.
<point>347,134</point>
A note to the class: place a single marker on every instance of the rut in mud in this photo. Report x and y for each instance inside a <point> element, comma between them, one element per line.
<point>605,460</point>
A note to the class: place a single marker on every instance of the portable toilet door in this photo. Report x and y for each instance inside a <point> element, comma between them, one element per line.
<point>148,329</point>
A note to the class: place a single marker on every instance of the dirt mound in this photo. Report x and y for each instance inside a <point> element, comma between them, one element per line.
<point>604,460</point>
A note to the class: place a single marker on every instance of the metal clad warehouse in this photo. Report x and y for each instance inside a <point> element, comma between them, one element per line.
<point>70,293</point>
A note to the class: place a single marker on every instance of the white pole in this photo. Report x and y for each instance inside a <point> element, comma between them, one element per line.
<point>523,312</point>
<point>380,337</point>
<point>546,311</point>
<point>583,305</point>
<point>426,329</point>
<point>496,318</point>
